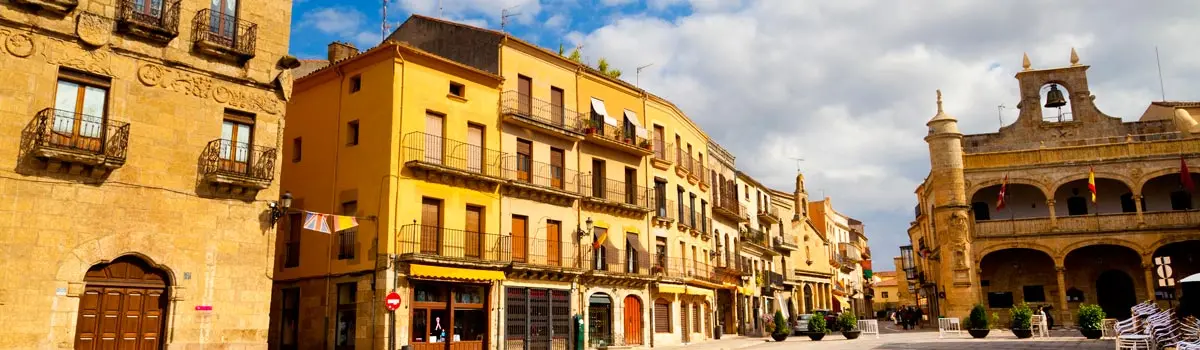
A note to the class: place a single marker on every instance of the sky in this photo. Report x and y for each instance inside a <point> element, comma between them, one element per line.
<point>846,85</point>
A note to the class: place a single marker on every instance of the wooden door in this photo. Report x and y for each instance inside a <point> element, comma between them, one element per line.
<point>660,151</point>
<point>431,226</point>
<point>524,159</point>
<point>79,116</point>
<point>598,178</point>
<point>524,94</point>
<point>631,194</point>
<point>557,171</point>
<point>520,234</point>
<point>223,22</point>
<point>474,240</point>
<point>235,145</point>
<point>433,138</point>
<point>123,307</point>
<point>557,108</point>
<point>554,243</point>
<point>633,321</point>
<point>684,327</point>
<point>475,151</point>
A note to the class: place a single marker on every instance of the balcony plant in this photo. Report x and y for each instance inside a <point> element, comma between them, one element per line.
<point>1021,317</point>
<point>847,322</point>
<point>782,329</point>
<point>816,326</point>
<point>1091,317</point>
<point>977,322</point>
<point>644,144</point>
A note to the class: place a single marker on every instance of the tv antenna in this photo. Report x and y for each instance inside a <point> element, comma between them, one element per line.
<point>385,27</point>
<point>505,14</point>
<point>798,160</point>
<point>638,81</point>
<point>1000,114</point>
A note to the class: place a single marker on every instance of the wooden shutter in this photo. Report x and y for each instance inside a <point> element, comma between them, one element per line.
<point>475,153</point>
<point>662,316</point>
<point>524,159</point>
<point>431,226</point>
<point>519,234</point>
<point>633,320</point>
<point>683,319</point>
<point>631,195</point>
<point>433,138</point>
<point>553,243</point>
<point>696,317</point>
<point>474,235</point>
<point>525,92</point>
<point>557,170</point>
<point>557,107</point>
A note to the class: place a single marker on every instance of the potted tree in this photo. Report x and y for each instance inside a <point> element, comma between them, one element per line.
<point>977,322</point>
<point>816,326</point>
<point>847,322</point>
<point>1021,316</point>
<point>782,329</point>
<point>1091,317</point>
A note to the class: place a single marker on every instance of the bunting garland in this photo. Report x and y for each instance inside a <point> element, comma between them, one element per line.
<point>319,222</point>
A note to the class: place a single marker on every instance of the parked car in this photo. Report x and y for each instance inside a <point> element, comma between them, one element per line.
<point>800,326</point>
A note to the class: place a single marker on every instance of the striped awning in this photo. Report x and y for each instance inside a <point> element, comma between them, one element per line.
<point>672,288</point>
<point>454,273</point>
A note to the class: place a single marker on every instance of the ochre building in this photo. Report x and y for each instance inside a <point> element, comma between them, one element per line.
<point>1051,244</point>
<point>141,142</point>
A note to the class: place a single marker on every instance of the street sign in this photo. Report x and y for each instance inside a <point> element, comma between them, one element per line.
<point>1162,267</point>
<point>392,301</point>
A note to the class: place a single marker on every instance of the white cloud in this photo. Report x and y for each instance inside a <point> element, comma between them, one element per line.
<point>333,20</point>
<point>616,2</point>
<point>849,85</point>
<point>525,10</point>
<point>557,22</point>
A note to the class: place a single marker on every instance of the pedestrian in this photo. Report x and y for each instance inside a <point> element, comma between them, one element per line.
<point>1049,316</point>
<point>918,317</point>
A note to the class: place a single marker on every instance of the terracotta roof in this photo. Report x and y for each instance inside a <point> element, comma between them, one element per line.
<point>891,282</point>
<point>1185,104</point>
<point>884,274</point>
<point>307,66</point>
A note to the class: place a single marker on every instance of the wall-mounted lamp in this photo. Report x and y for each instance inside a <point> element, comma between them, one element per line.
<point>280,208</point>
<point>582,232</point>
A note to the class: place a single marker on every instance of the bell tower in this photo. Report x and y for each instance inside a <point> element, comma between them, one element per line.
<point>1063,86</point>
<point>952,266</point>
<point>801,199</point>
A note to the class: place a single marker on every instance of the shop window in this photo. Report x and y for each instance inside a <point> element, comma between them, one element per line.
<point>450,313</point>
<point>1074,295</point>
<point>1000,300</point>
<point>1034,294</point>
<point>346,315</point>
<point>600,320</point>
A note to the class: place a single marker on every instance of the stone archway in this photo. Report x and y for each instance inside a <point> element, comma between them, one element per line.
<point>1014,275</point>
<point>1184,257</point>
<point>1096,270</point>
<point>123,306</point>
<point>1115,293</point>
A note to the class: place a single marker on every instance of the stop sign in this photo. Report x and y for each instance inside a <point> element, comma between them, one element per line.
<point>392,301</point>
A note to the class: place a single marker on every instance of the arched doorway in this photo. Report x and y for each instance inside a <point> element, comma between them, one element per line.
<point>633,320</point>
<point>1010,277</point>
<point>600,320</point>
<point>124,306</point>
<point>1114,293</point>
<point>808,299</point>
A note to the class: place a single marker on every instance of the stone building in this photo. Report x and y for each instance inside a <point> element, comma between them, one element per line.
<point>1008,217</point>
<point>136,201</point>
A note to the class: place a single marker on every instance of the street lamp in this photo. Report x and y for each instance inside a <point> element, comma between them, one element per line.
<point>280,208</point>
<point>582,233</point>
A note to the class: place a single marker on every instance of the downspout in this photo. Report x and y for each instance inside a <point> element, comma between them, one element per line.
<point>496,292</point>
<point>333,189</point>
<point>393,272</point>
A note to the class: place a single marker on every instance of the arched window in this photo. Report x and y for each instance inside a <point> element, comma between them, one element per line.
<point>662,316</point>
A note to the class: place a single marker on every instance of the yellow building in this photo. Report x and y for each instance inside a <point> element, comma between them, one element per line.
<point>728,214</point>
<point>808,270</point>
<point>1052,243</point>
<point>887,293</point>
<point>141,143</point>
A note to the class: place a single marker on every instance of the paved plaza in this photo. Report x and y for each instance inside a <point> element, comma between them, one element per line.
<point>918,339</point>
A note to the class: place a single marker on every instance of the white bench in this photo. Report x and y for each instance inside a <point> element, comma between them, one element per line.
<point>949,325</point>
<point>869,327</point>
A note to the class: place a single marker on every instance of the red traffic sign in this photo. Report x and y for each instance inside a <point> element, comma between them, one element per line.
<point>392,301</point>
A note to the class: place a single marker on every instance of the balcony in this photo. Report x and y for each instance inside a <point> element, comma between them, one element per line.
<point>698,174</point>
<point>223,35</point>
<point>683,164</point>
<point>728,207</point>
<point>686,218</point>
<point>440,244</point>
<point>80,142</point>
<point>684,268</point>
<point>433,155</point>
<point>540,181</point>
<point>775,279</point>
<point>1093,223</point>
<point>849,252</point>
<point>542,116</point>
<point>142,18</point>
<point>620,197</point>
<point>767,215</point>
<point>542,253</point>
<point>785,245</point>
<point>615,137</point>
<point>662,155</point>
<point>666,213</point>
<point>757,238</point>
<point>55,6</point>
<point>609,259</point>
<point>236,167</point>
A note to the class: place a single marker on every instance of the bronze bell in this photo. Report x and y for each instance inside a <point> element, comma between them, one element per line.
<point>1054,98</point>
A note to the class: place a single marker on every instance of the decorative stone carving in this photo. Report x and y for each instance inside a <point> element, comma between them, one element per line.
<point>960,244</point>
<point>17,44</point>
<point>93,29</point>
<point>204,87</point>
<point>58,52</point>
<point>284,81</point>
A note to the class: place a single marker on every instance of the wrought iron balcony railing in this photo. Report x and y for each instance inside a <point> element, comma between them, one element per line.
<point>549,176</point>
<point>686,217</point>
<point>543,252</point>
<point>70,136</point>
<point>683,160</point>
<point>776,279</point>
<point>415,240</point>
<point>438,152</point>
<point>685,267</point>
<point>662,150</point>
<point>699,171</point>
<point>615,191</point>
<point>157,19</point>
<point>542,113</point>
<point>221,33</point>
<point>627,138</point>
<point>755,236</point>
<point>609,258</point>
<point>666,212</point>
<point>237,159</point>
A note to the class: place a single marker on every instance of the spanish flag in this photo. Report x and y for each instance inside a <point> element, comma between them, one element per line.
<point>1003,188</point>
<point>1092,182</point>
<point>600,240</point>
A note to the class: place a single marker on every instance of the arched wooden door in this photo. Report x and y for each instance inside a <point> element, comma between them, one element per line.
<point>633,321</point>
<point>123,306</point>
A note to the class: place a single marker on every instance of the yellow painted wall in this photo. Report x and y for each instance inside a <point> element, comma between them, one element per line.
<point>544,70</point>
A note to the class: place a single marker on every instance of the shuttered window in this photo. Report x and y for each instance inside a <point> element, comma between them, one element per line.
<point>662,316</point>
<point>695,317</point>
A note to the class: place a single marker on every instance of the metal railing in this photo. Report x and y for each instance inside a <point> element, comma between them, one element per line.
<point>68,130</point>
<point>520,169</point>
<point>226,157</point>
<point>1107,140</point>
<point>754,236</point>
<point>615,191</point>
<point>686,216</point>
<point>164,18</point>
<point>541,112</point>
<point>616,259</point>
<point>225,30</point>
<point>682,160</point>
<point>662,150</point>
<point>438,151</point>
<point>666,212</point>
<point>543,252</point>
<point>615,134</point>
<point>678,267</point>
<point>775,278</point>
<point>441,242</point>
<point>699,171</point>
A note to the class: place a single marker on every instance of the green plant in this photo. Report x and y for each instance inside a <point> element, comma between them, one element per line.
<point>1021,315</point>
<point>1090,317</point>
<point>575,56</point>
<point>759,280</point>
<point>995,318</point>
<point>847,321</point>
<point>978,318</point>
<point>817,323</point>
<point>781,324</point>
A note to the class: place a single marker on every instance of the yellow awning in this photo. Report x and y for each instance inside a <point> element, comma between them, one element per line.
<point>632,229</point>
<point>845,303</point>
<point>454,273</point>
<point>745,291</point>
<point>671,288</point>
<point>728,285</point>
<point>699,291</point>
<point>600,224</point>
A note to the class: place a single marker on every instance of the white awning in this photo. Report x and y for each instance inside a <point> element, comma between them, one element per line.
<point>633,118</point>
<point>1192,278</point>
<point>598,106</point>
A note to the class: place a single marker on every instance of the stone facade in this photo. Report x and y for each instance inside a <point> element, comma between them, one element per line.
<point>134,171</point>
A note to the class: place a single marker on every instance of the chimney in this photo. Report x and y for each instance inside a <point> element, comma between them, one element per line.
<point>339,51</point>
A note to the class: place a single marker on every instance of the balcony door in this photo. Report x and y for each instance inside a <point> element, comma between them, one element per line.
<point>598,178</point>
<point>434,124</point>
<point>223,20</point>
<point>631,195</point>
<point>475,150</point>
<point>431,226</point>
<point>557,108</point>
<point>79,115</point>
<point>553,243</point>
<point>524,95</point>
<point>235,143</point>
<point>475,242</point>
<point>524,159</point>
<point>520,235</point>
<point>557,172</point>
<point>148,8</point>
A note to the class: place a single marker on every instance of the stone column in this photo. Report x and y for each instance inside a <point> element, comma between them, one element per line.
<point>1149,268</point>
<point>1137,203</point>
<point>1053,218</point>
<point>1064,309</point>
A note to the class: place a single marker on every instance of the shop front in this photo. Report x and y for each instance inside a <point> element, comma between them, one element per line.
<point>537,319</point>
<point>448,314</point>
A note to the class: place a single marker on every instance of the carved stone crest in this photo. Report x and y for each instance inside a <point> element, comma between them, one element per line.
<point>204,87</point>
<point>284,81</point>
<point>18,44</point>
<point>93,29</point>
<point>72,55</point>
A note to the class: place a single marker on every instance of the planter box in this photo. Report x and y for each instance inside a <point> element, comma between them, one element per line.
<point>851,334</point>
<point>1022,333</point>
<point>816,335</point>
<point>979,333</point>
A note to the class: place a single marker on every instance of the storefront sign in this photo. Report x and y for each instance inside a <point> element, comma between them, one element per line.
<point>392,301</point>
<point>1163,269</point>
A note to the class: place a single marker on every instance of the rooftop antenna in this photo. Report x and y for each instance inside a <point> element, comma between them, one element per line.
<point>1160,79</point>
<point>505,14</point>
<point>798,160</point>
<point>638,81</point>
<point>1000,114</point>
<point>386,27</point>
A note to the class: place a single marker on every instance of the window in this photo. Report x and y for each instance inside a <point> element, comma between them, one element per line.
<point>458,90</point>
<point>355,83</point>
<point>1077,205</point>
<point>524,159</point>
<point>631,194</point>
<point>884,294</point>
<point>352,133</point>
<point>80,105</point>
<point>236,138</point>
<point>981,211</point>
<point>1000,300</point>
<point>150,8</point>
<point>557,170</point>
<point>631,252</point>
<point>1074,295</point>
<point>346,315</point>
<point>660,252</point>
<point>660,198</point>
<point>223,22</point>
<point>746,190</point>
<point>291,253</point>
<point>704,216</point>
<point>347,238</point>
<point>557,108</point>
<point>1181,200</point>
<point>297,149</point>
<point>598,178</point>
<point>600,257</point>
<point>1034,294</point>
<point>662,316</point>
<point>289,325</point>
<point>679,194</point>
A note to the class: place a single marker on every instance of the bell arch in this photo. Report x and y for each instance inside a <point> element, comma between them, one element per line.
<point>1066,250</point>
<point>980,185</point>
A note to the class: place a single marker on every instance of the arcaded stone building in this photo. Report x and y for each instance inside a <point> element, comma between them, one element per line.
<point>1052,243</point>
<point>140,140</point>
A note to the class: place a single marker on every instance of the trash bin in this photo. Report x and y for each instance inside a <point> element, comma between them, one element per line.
<point>717,331</point>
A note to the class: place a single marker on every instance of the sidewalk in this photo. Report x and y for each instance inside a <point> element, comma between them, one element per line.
<point>727,342</point>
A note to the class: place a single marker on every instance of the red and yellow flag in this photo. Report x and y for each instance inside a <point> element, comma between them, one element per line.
<point>600,240</point>
<point>1003,188</point>
<point>1092,182</point>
